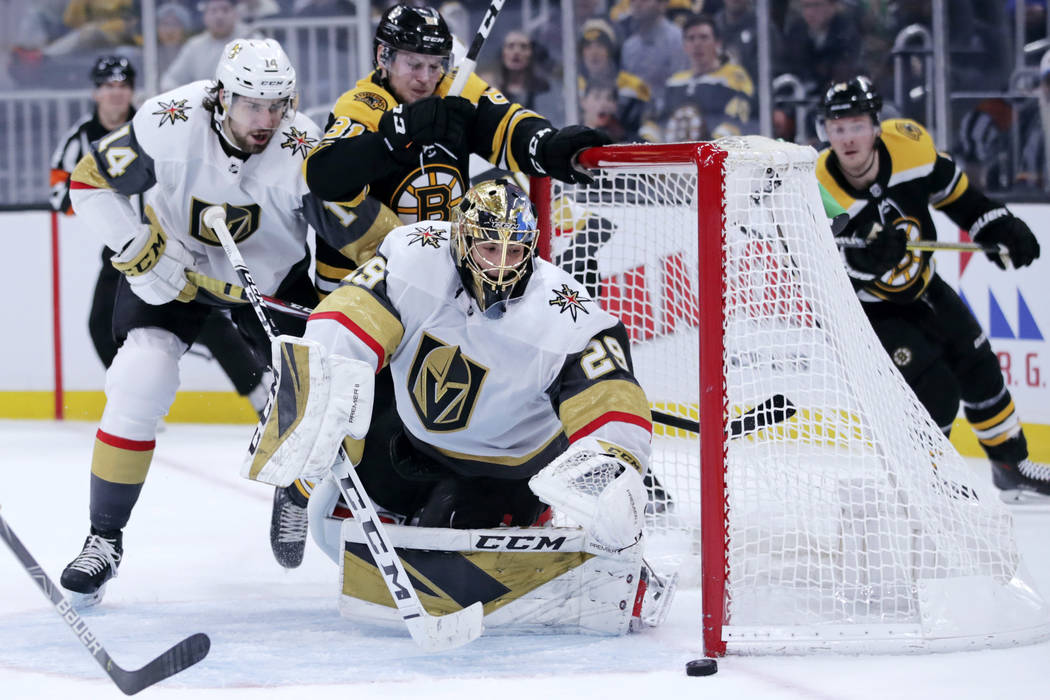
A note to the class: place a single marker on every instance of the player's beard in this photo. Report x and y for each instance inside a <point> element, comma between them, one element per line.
<point>249,140</point>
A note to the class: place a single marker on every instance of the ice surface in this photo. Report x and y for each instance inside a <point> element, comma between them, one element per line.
<point>197,559</point>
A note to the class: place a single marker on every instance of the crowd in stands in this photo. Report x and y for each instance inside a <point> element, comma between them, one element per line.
<point>653,70</point>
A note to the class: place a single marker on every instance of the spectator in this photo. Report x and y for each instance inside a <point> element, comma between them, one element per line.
<point>458,18</point>
<point>710,100</point>
<point>322,8</point>
<point>653,51</point>
<point>40,25</point>
<point>251,11</point>
<point>518,79</point>
<point>821,46</point>
<point>971,51</point>
<point>599,62</point>
<point>1034,18</point>
<point>98,24</point>
<point>173,26</point>
<point>201,53</point>
<point>547,38</point>
<point>598,111</point>
<point>738,27</point>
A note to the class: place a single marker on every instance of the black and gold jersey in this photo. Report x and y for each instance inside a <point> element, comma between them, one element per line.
<point>352,158</point>
<point>912,177</point>
<point>705,106</point>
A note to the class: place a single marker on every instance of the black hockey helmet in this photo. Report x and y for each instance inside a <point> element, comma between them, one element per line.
<point>499,214</point>
<point>416,29</point>
<point>851,98</point>
<point>110,69</point>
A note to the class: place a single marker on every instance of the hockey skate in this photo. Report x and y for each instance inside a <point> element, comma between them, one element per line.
<point>288,525</point>
<point>1024,482</point>
<point>86,576</point>
<point>653,600</point>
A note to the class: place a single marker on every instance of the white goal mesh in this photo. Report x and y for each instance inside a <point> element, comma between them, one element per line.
<point>839,514</point>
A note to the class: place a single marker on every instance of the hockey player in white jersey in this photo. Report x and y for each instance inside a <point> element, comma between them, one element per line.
<point>513,390</point>
<point>236,142</point>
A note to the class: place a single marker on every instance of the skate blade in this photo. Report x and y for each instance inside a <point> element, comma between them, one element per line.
<point>83,601</point>
<point>1024,497</point>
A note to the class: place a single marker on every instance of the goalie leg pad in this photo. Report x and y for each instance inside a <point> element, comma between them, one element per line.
<point>602,493</point>
<point>529,580</point>
<point>317,400</point>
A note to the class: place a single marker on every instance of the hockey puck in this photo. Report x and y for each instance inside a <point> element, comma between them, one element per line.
<point>701,667</point>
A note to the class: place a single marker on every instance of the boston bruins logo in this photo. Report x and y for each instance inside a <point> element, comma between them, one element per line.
<point>428,195</point>
<point>444,385</point>
<point>374,101</point>
<point>909,129</point>
<point>242,221</point>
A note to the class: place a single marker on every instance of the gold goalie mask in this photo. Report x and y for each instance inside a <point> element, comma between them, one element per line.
<point>494,234</point>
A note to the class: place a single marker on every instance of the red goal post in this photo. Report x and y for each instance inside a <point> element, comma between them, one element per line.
<point>848,523</point>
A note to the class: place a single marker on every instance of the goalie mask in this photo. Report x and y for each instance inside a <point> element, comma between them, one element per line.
<point>257,91</point>
<point>494,234</point>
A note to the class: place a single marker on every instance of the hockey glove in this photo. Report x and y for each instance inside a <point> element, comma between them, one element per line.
<point>433,119</point>
<point>876,253</point>
<point>1000,227</point>
<point>556,151</point>
<point>155,266</point>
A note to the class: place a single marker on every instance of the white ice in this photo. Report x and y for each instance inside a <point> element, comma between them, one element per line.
<point>197,559</point>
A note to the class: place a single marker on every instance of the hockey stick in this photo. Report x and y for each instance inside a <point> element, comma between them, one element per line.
<point>470,62</point>
<point>234,295</point>
<point>965,246</point>
<point>776,409</point>
<point>432,633</point>
<point>181,656</point>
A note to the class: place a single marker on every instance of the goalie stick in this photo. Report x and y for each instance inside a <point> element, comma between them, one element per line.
<point>181,656</point>
<point>430,632</point>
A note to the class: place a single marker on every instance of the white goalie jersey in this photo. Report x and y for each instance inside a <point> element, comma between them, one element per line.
<point>487,396</point>
<point>172,152</point>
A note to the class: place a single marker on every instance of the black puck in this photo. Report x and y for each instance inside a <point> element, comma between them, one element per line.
<point>701,667</point>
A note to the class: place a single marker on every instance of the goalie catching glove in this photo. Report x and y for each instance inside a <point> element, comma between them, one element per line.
<point>591,484</point>
<point>155,265</point>
<point>317,400</point>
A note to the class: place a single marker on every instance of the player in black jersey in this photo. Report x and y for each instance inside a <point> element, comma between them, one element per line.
<point>887,176</point>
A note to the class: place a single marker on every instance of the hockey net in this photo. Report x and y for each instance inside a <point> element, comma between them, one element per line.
<point>847,523</point>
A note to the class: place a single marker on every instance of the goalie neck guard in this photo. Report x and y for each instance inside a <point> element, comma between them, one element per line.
<point>494,234</point>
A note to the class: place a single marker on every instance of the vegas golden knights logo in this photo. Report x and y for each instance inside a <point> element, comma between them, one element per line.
<point>444,385</point>
<point>242,221</point>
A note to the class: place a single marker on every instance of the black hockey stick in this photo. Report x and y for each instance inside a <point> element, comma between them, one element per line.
<point>431,632</point>
<point>181,656</point>
<point>776,409</point>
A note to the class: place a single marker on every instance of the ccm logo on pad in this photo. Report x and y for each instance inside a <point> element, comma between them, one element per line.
<point>519,542</point>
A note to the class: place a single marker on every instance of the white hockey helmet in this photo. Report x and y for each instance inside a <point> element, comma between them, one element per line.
<point>257,68</point>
